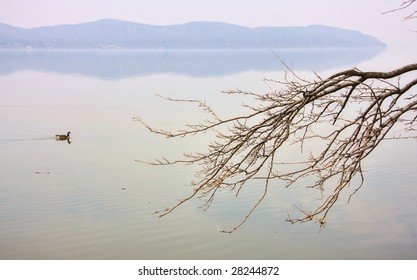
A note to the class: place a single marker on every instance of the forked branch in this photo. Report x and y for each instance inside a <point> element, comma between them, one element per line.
<point>336,122</point>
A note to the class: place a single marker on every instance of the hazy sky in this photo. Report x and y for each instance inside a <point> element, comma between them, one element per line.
<point>362,15</point>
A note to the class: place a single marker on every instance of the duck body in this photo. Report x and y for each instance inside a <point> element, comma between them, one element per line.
<point>63,137</point>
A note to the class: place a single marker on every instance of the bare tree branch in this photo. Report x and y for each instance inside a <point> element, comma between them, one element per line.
<point>405,5</point>
<point>348,114</point>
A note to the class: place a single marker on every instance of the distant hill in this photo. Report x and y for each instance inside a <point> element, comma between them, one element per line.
<point>116,34</point>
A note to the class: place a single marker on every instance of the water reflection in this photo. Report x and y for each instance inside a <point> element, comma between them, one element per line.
<point>92,200</point>
<point>123,64</point>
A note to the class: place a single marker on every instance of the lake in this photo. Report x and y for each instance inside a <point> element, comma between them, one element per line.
<point>92,199</point>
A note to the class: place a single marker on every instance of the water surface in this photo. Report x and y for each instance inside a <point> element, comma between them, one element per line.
<point>91,200</point>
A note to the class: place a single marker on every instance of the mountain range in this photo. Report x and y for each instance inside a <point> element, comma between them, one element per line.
<point>116,34</point>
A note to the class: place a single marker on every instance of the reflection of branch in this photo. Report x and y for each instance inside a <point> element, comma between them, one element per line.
<point>346,115</point>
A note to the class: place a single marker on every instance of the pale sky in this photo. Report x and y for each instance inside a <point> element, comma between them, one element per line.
<point>362,15</point>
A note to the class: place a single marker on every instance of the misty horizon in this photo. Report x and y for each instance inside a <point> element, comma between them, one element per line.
<point>118,34</point>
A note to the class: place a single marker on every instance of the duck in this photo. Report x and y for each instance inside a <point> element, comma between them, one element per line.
<point>63,137</point>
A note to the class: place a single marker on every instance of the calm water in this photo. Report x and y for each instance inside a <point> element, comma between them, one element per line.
<point>91,200</point>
